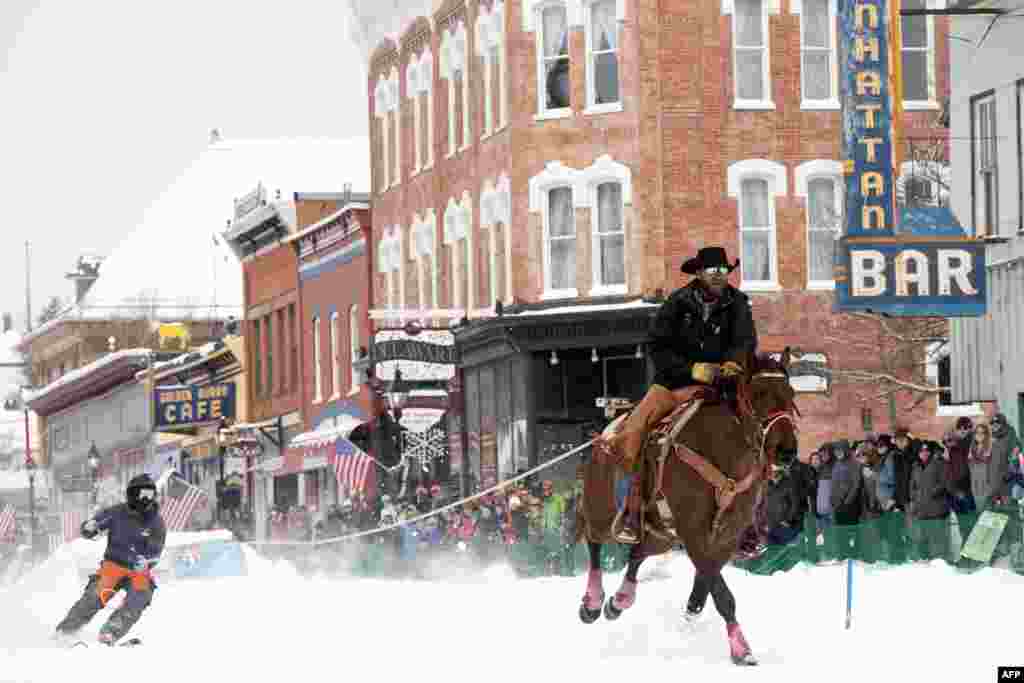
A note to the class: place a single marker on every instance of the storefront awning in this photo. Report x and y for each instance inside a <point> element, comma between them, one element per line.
<point>318,448</point>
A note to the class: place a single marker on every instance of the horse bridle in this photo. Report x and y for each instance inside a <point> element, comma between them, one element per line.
<point>774,417</point>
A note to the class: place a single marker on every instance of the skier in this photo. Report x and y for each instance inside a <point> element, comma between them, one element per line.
<point>135,541</point>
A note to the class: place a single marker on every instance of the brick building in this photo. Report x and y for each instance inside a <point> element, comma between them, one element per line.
<point>563,157</point>
<point>334,274</point>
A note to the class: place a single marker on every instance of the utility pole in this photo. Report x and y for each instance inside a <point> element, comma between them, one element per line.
<point>28,289</point>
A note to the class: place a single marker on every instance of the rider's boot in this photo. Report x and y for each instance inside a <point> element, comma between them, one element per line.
<point>629,531</point>
<point>625,444</point>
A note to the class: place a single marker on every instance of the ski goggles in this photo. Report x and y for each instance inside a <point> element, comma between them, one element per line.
<point>146,494</point>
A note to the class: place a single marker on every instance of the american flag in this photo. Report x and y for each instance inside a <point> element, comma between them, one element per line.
<point>353,468</point>
<point>179,506</point>
<point>7,524</point>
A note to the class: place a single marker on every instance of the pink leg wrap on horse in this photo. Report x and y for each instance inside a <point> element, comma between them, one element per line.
<point>737,643</point>
<point>594,597</point>
<point>626,595</point>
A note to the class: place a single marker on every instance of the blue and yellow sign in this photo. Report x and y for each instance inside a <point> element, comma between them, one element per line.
<point>906,261</point>
<point>187,406</point>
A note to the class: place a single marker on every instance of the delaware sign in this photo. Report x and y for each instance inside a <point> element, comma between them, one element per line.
<point>187,406</point>
<point>908,261</point>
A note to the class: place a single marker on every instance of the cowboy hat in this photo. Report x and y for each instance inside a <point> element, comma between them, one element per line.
<point>708,257</point>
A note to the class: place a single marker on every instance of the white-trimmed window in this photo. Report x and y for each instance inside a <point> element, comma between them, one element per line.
<point>938,370</point>
<point>601,24</point>
<point>353,346</point>
<point>553,80</point>
<point>424,235</point>
<point>419,91</point>
<point>560,242</point>
<point>386,111</point>
<point>606,188</point>
<point>819,81</point>
<point>495,210</point>
<point>1020,159</point>
<point>755,183</point>
<point>986,166</point>
<point>750,52</point>
<point>454,66</point>
<point>390,264</point>
<point>458,237</point>
<point>918,58</point>
<point>335,358</point>
<point>490,48</point>
<point>820,183</point>
<point>318,380</point>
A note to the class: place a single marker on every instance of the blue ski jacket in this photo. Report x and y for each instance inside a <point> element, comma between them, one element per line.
<point>130,534</point>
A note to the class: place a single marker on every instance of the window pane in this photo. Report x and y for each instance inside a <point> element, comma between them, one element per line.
<point>816,23</point>
<point>757,255</point>
<point>754,203</point>
<point>915,75</point>
<point>604,25</point>
<point>915,29</point>
<point>822,246</point>
<point>749,23</point>
<point>557,83</point>
<point>556,35</point>
<point>560,212</point>
<point>613,262</point>
<point>606,78</point>
<point>609,207</point>
<point>749,75</point>
<point>563,263</point>
<point>821,203</point>
<point>817,79</point>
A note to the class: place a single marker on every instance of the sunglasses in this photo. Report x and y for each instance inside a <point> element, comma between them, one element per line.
<point>716,270</point>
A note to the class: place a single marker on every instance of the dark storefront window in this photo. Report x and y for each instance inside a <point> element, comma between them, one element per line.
<point>569,389</point>
<point>286,491</point>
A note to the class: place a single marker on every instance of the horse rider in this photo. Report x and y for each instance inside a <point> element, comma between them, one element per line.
<point>693,336</point>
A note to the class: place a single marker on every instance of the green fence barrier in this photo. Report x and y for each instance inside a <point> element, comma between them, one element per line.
<point>893,539</point>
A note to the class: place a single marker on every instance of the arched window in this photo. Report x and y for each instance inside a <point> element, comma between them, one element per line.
<point>318,386</point>
<point>335,360</point>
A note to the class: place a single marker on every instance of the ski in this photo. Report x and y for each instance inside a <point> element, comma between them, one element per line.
<point>131,642</point>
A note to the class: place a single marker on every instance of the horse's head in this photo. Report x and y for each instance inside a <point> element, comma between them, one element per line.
<point>769,397</point>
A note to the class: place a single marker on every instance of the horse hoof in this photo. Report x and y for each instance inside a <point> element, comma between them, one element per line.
<point>747,659</point>
<point>589,616</point>
<point>691,618</point>
<point>611,612</point>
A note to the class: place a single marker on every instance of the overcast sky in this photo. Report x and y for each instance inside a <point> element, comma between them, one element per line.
<point>102,103</point>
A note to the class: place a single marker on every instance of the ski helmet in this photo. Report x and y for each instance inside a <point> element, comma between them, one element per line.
<point>141,493</point>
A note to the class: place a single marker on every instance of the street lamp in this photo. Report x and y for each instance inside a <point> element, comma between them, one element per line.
<point>94,471</point>
<point>30,468</point>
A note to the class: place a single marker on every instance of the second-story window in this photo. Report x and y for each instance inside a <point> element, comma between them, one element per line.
<point>560,248</point>
<point>553,41</point>
<point>353,343</point>
<point>293,335</point>
<point>918,64</point>
<point>268,330</point>
<point>610,238</point>
<point>318,381</point>
<point>818,83</point>
<point>257,357</point>
<point>986,168</point>
<point>335,360</point>
<point>750,54</point>
<point>602,36</point>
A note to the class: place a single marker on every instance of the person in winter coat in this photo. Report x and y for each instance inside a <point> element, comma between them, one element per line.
<point>887,473</point>
<point>929,501</point>
<point>958,447</point>
<point>870,468</point>
<point>135,541</point>
<point>846,486</point>
<point>1006,448</point>
<point>906,459</point>
<point>987,472</point>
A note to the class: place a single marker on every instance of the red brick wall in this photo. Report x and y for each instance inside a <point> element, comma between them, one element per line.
<point>271,285</point>
<point>678,133</point>
<point>336,290</point>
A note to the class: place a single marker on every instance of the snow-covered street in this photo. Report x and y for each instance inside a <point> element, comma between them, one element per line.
<point>923,622</point>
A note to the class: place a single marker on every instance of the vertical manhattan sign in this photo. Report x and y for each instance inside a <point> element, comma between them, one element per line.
<point>907,261</point>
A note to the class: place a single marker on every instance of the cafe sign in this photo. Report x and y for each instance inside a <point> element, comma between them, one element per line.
<point>187,406</point>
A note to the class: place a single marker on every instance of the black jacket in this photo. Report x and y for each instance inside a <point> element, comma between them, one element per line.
<point>130,534</point>
<point>681,336</point>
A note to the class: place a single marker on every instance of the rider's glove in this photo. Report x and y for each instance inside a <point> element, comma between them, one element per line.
<point>141,564</point>
<point>706,373</point>
<point>731,369</point>
<point>89,529</point>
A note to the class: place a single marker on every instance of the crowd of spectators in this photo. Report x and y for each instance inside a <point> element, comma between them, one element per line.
<point>896,488</point>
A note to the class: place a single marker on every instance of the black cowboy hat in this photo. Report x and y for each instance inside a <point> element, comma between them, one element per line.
<point>708,257</point>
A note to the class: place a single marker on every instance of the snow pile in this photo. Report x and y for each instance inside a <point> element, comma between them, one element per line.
<point>913,622</point>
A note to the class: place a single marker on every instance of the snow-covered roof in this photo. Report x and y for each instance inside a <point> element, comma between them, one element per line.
<point>173,266</point>
<point>85,370</point>
<point>588,308</point>
<point>191,358</point>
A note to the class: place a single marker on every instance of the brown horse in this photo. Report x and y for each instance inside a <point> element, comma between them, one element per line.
<point>740,431</point>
